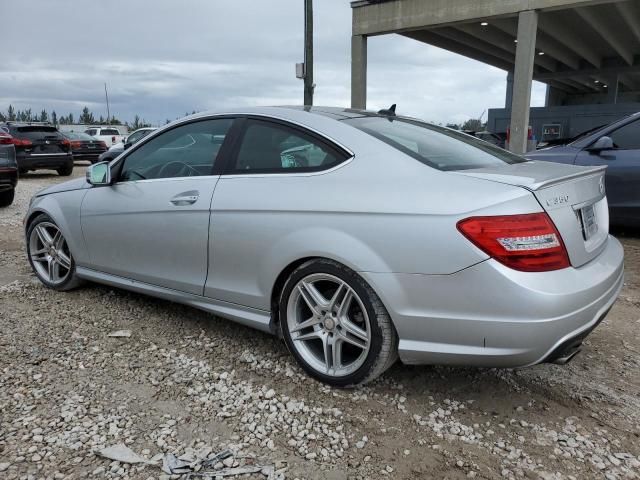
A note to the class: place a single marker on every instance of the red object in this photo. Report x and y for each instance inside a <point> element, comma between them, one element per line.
<point>103,144</point>
<point>6,139</point>
<point>19,142</point>
<point>529,243</point>
<point>76,144</point>
<point>66,141</point>
<point>113,139</point>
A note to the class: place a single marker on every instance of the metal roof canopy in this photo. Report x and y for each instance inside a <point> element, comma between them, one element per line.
<point>575,46</point>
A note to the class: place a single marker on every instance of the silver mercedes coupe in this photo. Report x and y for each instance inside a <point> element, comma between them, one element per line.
<point>356,236</point>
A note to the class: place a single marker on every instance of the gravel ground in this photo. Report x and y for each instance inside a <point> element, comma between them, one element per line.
<point>188,383</point>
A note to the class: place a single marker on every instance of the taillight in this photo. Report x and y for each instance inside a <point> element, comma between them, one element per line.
<point>113,139</point>
<point>21,142</point>
<point>6,140</point>
<point>65,141</point>
<point>529,243</point>
<point>76,144</point>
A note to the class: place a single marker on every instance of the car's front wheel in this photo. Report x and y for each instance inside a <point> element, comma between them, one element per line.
<point>49,255</point>
<point>65,171</point>
<point>335,325</point>
<point>6,197</point>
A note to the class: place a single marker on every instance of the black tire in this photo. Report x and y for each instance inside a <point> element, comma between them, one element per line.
<point>6,197</point>
<point>72,281</point>
<point>65,171</point>
<point>383,351</point>
<point>22,171</point>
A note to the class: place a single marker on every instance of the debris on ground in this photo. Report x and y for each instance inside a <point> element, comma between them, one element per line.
<point>120,334</point>
<point>219,465</point>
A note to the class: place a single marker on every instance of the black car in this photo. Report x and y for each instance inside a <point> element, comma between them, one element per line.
<point>8,169</point>
<point>41,147</point>
<point>84,146</point>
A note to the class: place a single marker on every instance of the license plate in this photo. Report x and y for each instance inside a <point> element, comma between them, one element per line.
<point>589,223</point>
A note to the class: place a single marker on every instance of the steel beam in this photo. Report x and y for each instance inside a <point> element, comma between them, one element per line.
<point>607,32</point>
<point>549,45</point>
<point>554,27</point>
<point>456,47</point>
<point>498,38</point>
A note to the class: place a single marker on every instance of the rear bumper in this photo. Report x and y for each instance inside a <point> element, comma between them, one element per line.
<point>492,316</point>
<point>34,162</point>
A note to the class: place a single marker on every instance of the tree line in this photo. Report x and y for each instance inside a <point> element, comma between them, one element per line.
<point>86,117</point>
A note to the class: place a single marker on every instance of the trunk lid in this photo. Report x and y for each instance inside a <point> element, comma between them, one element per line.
<point>574,197</point>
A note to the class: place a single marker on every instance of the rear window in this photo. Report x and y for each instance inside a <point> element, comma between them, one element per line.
<point>35,132</point>
<point>437,147</point>
<point>109,131</point>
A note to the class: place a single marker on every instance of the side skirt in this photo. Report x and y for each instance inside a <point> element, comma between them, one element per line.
<point>250,317</point>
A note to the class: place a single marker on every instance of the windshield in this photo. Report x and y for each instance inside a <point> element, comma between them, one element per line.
<point>78,136</point>
<point>437,147</point>
<point>109,131</point>
<point>587,132</point>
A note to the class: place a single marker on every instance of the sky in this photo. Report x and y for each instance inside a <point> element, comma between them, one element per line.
<point>162,58</point>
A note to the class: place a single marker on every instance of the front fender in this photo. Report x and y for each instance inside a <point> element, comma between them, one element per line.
<point>64,209</point>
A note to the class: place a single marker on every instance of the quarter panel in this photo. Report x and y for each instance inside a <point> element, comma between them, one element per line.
<point>381,212</point>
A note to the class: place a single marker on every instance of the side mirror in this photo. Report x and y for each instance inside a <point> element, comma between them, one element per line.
<point>99,174</point>
<point>124,139</point>
<point>126,145</point>
<point>603,143</point>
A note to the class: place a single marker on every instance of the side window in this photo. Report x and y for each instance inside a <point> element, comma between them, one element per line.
<point>186,151</point>
<point>270,148</point>
<point>134,137</point>
<point>91,132</point>
<point>627,137</point>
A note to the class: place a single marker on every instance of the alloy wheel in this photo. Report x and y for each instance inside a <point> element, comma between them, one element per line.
<point>49,253</point>
<point>328,324</point>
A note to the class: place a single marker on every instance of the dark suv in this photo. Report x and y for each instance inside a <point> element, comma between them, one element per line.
<point>8,169</point>
<point>39,147</point>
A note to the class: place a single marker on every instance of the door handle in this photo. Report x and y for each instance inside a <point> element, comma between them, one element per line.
<point>186,198</point>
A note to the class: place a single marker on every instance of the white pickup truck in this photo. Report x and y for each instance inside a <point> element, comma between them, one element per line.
<point>108,135</point>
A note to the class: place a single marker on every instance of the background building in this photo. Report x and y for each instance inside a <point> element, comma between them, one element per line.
<point>586,51</point>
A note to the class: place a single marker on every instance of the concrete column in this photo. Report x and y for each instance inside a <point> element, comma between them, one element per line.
<point>509,97</point>
<point>522,78</point>
<point>613,85</point>
<point>358,71</point>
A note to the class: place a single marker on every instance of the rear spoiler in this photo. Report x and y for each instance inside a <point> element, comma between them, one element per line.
<point>587,172</point>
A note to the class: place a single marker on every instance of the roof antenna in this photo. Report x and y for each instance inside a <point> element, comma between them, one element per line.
<point>391,111</point>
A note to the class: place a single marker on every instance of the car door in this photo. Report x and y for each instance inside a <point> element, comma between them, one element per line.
<point>275,172</point>
<point>623,171</point>
<point>152,223</point>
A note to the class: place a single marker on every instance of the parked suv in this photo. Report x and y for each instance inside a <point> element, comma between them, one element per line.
<point>8,169</point>
<point>40,146</point>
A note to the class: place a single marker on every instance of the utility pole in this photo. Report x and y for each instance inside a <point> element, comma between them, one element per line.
<point>308,52</point>
<point>107,97</point>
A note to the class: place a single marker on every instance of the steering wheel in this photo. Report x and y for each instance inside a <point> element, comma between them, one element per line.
<point>176,169</point>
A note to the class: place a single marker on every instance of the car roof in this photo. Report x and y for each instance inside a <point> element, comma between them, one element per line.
<point>336,113</point>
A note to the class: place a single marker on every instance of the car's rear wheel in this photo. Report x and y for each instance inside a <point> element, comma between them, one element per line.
<point>335,325</point>
<point>65,171</point>
<point>6,197</point>
<point>49,255</point>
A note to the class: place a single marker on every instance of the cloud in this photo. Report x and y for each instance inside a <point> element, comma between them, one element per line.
<point>162,58</point>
